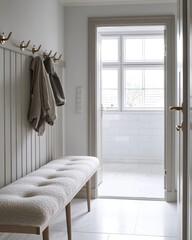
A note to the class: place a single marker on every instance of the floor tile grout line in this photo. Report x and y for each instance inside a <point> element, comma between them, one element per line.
<point>123,234</point>
<point>139,208</point>
<point>143,235</point>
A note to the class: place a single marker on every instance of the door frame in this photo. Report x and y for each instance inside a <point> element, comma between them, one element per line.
<point>185,79</point>
<point>188,9</point>
<point>94,106</point>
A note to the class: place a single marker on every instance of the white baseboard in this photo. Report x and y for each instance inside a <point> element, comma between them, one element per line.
<point>169,196</point>
<point>131,161</point>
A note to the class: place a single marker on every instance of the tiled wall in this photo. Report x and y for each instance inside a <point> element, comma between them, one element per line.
<point>133,136</point>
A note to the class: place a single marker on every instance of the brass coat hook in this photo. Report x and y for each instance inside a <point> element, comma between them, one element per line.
<point>3,39</point>
<point>54,55</point>
<point>46,55</point>
<point>23,46</point>
<point>56,59</point>
<point>35,50</point>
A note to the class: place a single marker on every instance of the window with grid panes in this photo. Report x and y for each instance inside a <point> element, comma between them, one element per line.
<point>132,71</point>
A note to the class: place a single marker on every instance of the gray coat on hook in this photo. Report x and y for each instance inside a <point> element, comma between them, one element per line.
<point>55,82</point>
<point>42,107</point>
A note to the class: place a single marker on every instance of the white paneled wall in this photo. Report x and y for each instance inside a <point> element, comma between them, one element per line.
<point>21,149</point>
<point>133,136</point>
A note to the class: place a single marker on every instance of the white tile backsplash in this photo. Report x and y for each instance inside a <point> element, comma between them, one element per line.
<point>135,135</point>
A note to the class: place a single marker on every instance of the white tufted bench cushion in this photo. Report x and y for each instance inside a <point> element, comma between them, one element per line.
<point>34,199</point>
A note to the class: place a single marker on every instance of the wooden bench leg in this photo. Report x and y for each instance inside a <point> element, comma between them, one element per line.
<point>46,234</point>
<point>68,219</point>
<point>88,193</point>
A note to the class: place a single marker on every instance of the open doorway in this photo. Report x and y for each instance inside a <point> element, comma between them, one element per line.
<point>169,89</point>
<point>131,69</point>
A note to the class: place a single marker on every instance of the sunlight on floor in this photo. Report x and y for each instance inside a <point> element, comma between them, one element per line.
<point>132,180</point>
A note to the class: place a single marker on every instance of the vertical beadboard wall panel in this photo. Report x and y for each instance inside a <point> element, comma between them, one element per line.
<point>21,149</point>
<point>18,115</point>
<point>24,104</point>
<point>2,143</point>
<point>7,104</point>
<point>13,118</point>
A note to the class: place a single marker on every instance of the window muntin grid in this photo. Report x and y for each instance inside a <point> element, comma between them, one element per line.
<point>140,80</point>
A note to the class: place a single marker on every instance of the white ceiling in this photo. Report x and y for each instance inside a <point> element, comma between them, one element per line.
<point>110,2</point>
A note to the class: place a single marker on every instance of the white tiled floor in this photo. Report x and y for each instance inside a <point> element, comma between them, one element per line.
<point>132,180</point>
<point>112,219</point>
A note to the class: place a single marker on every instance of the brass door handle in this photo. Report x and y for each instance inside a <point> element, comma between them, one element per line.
<point>179,127</point>
<point>175,108</point>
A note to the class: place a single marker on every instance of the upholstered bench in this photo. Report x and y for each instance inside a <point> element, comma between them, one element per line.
<point>29,204</point>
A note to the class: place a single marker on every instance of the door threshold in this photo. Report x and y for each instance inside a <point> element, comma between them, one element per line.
<point>131,198</point>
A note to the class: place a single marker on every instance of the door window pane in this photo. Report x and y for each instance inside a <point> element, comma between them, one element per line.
<point>109,79</point>
<point>110,98</point>
<point>133,78</point>
<point>154,98</point>
<point>110,50</point>
<point>154,49</point>
<point>144,88</point>
<point>154,78</point>
<point>133,49</point>
<point>133,98</point>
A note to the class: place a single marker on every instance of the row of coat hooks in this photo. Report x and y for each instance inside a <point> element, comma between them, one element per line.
<point>23,46</point>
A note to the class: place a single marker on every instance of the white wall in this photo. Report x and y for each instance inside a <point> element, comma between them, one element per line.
<point>41,21</point>
<point>133,137</point>
<point>21,150</point>
<point>76,45</point>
